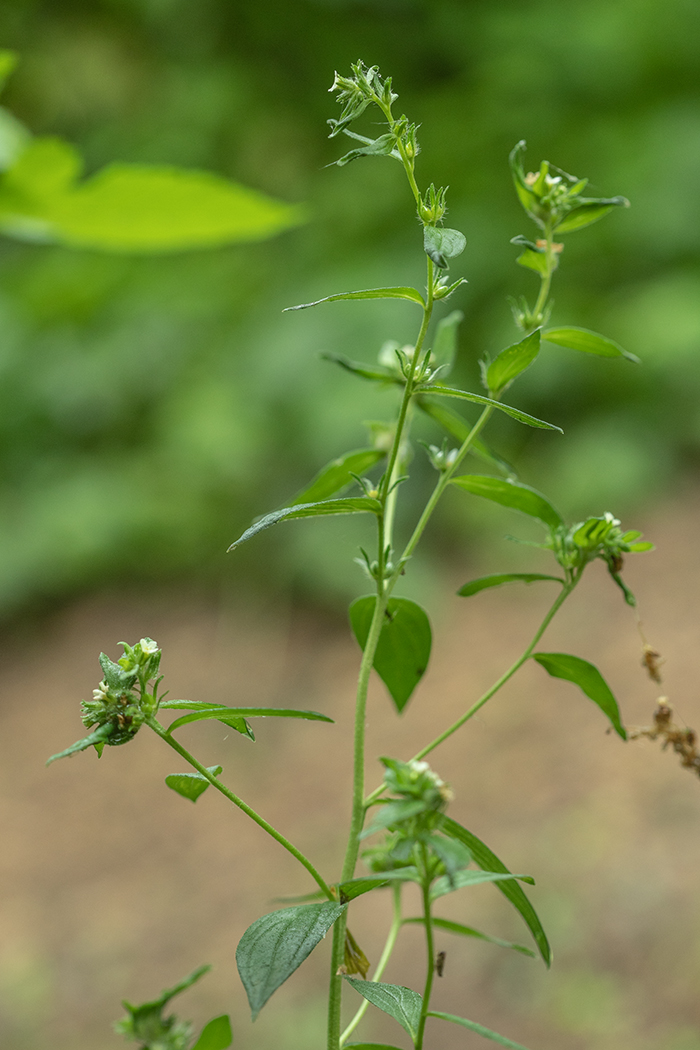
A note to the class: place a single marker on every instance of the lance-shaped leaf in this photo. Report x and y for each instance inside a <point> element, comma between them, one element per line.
<point>404,644</point>
<point>487,1033</point>
<point>353,505</point>
<point>366,883</point>
<point>461,879</point>
<point>511,494</point>
<point>376,373</point>
<point>587,342</point>
<point>380,147</point>
<point>441,244</point>
<point>458,427</point>
<point>191,785</point>
<point>479,399</point>
<point>445,342</point>
<point>488,861</point>
<point>274,946</point>
<point>512,361</point>
<point>411,294</point>
<point>469,931</point>
<point>498,579</point>
<point>233,716</point>
<point>338,474</point>
<point>589,210</point>
<point>93,740</point>
<point>216,1035</point>
<point>403,1004</point>
<point>586,677</point>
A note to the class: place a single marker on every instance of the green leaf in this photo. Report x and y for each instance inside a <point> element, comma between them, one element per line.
<point>381,147</point>
<point>274,946</point>
<point>216,1035</point>
<point>535,260</point>
<point>478,1028</point>
<point>373,372</point>
<point>441,244</point>
<point>511,362</point>
<point>147,1015</point>
<point>366,883</point>
<point>488,861</point>
<point>369,1046</point>
<point>117,679</point>
<point>8,63</point>
<point>588,678</point>
<point>462,879</point>
<point>458,427</point>
<point>93,740</point>
<point>445,343</point>
<point>191,785</point>
<point>411,294</point>
<point>354,505</point>
<point>394,812</point>
<point>468,931</point>
<point>403,1004</point>
<point>452,853</point>
<point>14,138</point>
<point>236,716</point>
<point>404,643</point>
<point>338,474</point>
<point>587,342</point>
<point>511,494</point>
<point>497,579</point>
<point>479,399</point>
<point>588,211</point>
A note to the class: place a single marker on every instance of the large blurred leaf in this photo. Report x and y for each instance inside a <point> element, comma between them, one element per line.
<point>404,644</point>
<point>216,1035</point>
<point>132,208</point>
<point>445,342</point>
<point>403,1004</point>
<point>274,946</point>
<point>511,494</point>
<point>588,678</point>
<point>354,505</point>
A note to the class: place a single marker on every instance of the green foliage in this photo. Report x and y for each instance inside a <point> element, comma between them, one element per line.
<point>191,785</point>
<point>588,678</point>
<point>146,1025</point>
<point>498,579</point>
<point>478,1028</point>
<point>276,945</point>
<point>400,1003</point>
<point>511,362</point>
<point>403,649</point>
<point>355,505</point>
<point>478,399</point>
<point>511,494</point>
<point>587,342</point>
<point>469,931</point>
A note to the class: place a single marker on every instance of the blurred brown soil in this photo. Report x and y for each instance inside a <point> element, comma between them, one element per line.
<point>113,886</point>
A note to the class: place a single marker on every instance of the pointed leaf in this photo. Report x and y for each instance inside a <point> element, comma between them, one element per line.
<point>230,716</point>
<point>142,1013</point>
<point>410,294</point>
<point>354,505</point>
<point>468,931</point>
<point>366,883</point>
<point>589,211</point>
<point>441,244</point>
<point>338,474</point>
<point>191,785</point>
<point>458,427</point>
<point>404,643</point>
<point>497,579</point>
<point>445,343</point>
<point>478,399</point>
<point>216,1035</point>
<point>381,147</point>
<point>478,1028</point>
<point>488,861</point>
<point>536,261</point>
<point>375,373</point>
<point>511,494</point>
<point>511,362</point>
<point>403,1004</point>
<point>462,879</point>
<point>236,716</point>
<point>274,946</point>
<point>93,740</point>
<point>587,342</point>
<point>588,678</point>
<point>117,679</point>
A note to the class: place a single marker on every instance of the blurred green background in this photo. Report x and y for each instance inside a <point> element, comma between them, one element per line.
<point>150,407</point>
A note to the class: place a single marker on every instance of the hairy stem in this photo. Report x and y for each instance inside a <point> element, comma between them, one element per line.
<point>227,793</point>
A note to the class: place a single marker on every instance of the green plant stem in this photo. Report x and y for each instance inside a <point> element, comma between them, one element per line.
<point>227,793</point>
<point>546,282</point>
<point>430,952</point>
<point>383,960</point>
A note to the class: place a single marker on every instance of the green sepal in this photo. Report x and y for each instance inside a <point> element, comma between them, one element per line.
<point>512,361</point>
<point>511,494</point>
<point>441,244</point>
<point>216,1035</point>
<point>498,579</point>
<point>353,505</point>
<point>191,785</point>
<point>462,879</point>
<point>275,945</point>
<point>403,1004</point>
<point>586,677</point>
<point>404,643</point>
<point>487,1033</point>
<point>587,342</point>
<point>96,740</point>
<point>338,474</point>
<point>411,294</point>
<point>469,931</point>
<point>488,861</point>
<point>479,399</point>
